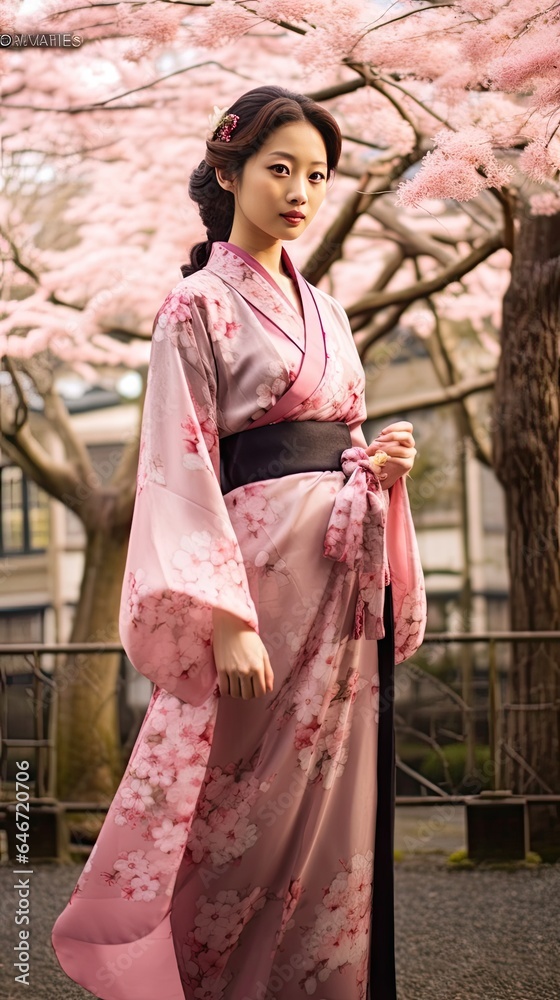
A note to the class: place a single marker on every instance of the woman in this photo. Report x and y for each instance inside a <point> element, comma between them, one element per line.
<point>272,562</point>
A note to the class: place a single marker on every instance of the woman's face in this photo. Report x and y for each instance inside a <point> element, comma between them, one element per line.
<point>282,186</point>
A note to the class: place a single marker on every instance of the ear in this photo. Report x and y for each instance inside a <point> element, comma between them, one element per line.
<point>225,182</point>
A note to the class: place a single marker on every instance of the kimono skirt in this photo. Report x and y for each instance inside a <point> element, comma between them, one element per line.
<point>236,861</point>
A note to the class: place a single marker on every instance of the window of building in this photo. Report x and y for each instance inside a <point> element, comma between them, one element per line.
<point>24,510</point>
<point>20,625</point>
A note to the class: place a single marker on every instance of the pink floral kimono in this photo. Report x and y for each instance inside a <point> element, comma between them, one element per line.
<point>238,859</point>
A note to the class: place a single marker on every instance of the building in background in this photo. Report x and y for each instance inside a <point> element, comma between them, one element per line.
<point>42,542</point>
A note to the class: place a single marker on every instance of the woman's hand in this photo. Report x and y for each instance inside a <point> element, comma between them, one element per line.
<point>398,443</point>
<point>241,658</point>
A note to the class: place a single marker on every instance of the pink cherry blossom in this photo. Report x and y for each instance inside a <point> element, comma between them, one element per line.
<point>537,162</point>
<point>308,702</point>
<point>169,836</point>
<point>145,888</point>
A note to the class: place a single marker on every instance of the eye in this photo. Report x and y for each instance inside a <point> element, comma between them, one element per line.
<point>280,166</point>
<point>319,175</point>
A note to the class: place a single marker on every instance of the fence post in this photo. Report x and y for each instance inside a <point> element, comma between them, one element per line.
<point>493,710</point>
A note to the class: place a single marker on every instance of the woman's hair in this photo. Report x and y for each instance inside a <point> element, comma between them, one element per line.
<point>260,112</point>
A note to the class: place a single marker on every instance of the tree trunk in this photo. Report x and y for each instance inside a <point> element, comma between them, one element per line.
<point>89,763</point>
<point>525,441</point>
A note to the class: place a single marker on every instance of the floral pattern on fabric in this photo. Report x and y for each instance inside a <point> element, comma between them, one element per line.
<point>236,860</point>
<point>255,509</point>
<point>356,536</point>
<point>290,904</point>
<point>222,828</point>
<point>218,925</point>
<point>322,746</point>
<point>340,933</point>
<point>160,787</point>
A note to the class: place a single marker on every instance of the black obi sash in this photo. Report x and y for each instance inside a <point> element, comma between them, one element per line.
<point>281,449</point>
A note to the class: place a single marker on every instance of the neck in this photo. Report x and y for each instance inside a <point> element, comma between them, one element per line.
<point>268,252</point>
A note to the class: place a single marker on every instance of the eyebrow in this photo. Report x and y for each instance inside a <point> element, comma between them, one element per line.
<point>288,156</point>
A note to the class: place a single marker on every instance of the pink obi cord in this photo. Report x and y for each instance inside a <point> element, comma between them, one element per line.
<point>356,535</point>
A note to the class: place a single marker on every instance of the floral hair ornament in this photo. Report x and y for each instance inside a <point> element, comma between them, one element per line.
<point>222,124</point>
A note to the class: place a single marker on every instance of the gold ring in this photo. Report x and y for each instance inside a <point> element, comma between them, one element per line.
<point>379,458</point>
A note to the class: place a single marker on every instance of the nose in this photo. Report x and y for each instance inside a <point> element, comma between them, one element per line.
<point>298,192</point>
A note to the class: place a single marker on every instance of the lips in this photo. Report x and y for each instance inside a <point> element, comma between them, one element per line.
<point>293,216</point>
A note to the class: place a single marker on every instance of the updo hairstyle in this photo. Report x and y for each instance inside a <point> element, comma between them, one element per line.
<point>260,112</point>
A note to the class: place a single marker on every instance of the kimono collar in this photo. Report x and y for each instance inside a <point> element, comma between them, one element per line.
<point>356,529</point>
<point>240,270</point>
<point>241,267</point>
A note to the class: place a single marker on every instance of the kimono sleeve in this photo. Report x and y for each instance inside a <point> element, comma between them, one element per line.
<point>403,556</point>
<point>405,568</point>
<point>183,556</point>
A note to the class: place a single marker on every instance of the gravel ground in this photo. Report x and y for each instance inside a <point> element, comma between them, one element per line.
<point>461,935</point>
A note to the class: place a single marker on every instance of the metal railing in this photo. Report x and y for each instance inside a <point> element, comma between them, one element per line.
<point>44,743</point>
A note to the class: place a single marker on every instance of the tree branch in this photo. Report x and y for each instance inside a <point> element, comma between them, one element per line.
<point>16,257</point>
<point>57,415</point>
<point>434,397</point>
<point>274,20</point>
<point>408,13</point>
<point>422,289</point>
<point>393,83</point>
<point>125,93</point>
<point>337,90</point>
<point>138,3</point>
<point>56,478</point>
<point>392,264</point>
<point>400,110</point>
<point>378,328</point>
<point>330,248</point>
<point>17,440</point>
<point>467,422</point>
<point>124,479</point>
<point>414,242</point>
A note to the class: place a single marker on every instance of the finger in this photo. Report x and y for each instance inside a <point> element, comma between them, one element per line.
<point>234,685</point>
<point>223,681</point>
<point>397,464</point>
<point>404,436</point>
<point>246,683</point>
<point>259,686</point>
<point>396,452</point>
<point>268,676</point>
<point>394,467</point>
<point>398,425</point>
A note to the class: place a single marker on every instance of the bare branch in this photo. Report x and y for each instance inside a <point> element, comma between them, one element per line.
<point>18,441</point>
<point>329,93</point>
<point>57,415</point>
<point>422,289</point>
<point>275,20</point>
<point>56,478</point>
<point>359,202</point>
<point>433,397</point>
<point>125,93</point>
<point>399,108</point>
<point>330,248</point>
<point>392,265</point>
<point>363,142</point>
<point>378,328</point>
<point>124,479</point>
<point>393,83</point>
<point>16,257</point>
<point>469,426</point>
<point>138,3</point>
<point>414,242</point>
<point>409,13</point>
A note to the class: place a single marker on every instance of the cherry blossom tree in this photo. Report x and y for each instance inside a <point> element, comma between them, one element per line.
<point>448,189</point>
